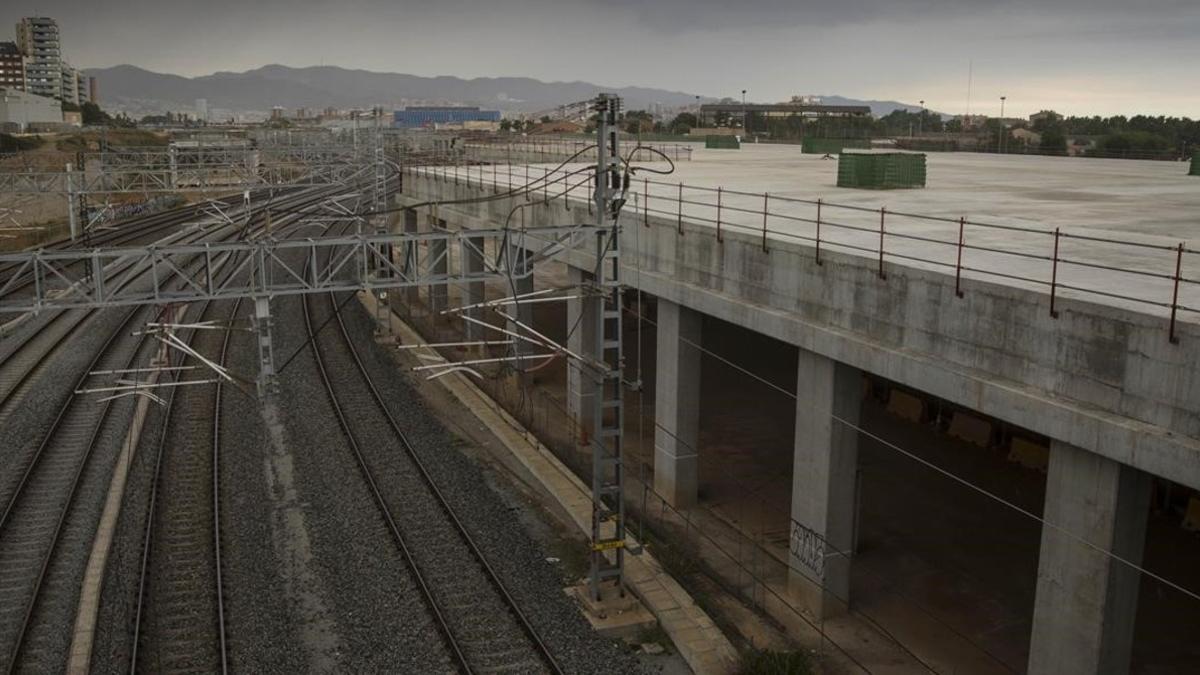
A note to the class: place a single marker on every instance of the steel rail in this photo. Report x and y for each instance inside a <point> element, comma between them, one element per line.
<point>152,507</point>
<point>20,492</point>
<point>410,451</point>
<point>36,461</point>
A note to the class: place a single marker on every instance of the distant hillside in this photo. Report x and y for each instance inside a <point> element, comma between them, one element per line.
<point>140,91</point>
<point>132,88</point>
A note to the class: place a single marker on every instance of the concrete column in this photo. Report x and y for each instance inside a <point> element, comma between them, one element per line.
<point>439,266</point>
<point>824,466</point>
<point>1086,604</point>
<point>471,259</point>
<point>581,330</point>
<point>677,404</point>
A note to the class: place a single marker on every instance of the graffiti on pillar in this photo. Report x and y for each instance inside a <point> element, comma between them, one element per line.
<point>808,548</point>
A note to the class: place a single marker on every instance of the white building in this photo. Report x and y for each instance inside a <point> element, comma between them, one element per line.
<point>19,110</point>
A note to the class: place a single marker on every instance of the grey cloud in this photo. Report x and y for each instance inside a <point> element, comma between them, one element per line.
<point>679,15</point>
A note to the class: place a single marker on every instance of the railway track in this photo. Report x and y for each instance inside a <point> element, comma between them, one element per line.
<point>180,618</point>
<point>483,627</point>
<point>179,623</point>
<point>36,507</point>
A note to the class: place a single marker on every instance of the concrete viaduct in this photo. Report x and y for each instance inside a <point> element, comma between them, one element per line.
<point>1118,400</point>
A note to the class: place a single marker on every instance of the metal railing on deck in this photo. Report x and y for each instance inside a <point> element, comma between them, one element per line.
<point>536,150</point>
<point>1146,275</point>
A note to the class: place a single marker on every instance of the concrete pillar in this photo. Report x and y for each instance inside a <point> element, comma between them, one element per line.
<point>1086,603</point>
<point>439,267</point>
<point>824,467</point>
<point>471,259</point>
<point>677,405</point>
<point>581,331</point>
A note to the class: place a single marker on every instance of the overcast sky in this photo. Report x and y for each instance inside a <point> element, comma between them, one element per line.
<point>1075,56</point>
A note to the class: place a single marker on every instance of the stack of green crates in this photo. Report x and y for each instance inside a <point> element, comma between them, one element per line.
<point>1195,165</point>
<point>722,143</point>
<point>831,146</point>
<point>881,170</point>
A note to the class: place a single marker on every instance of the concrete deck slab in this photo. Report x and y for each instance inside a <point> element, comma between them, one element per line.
<point>1148,202</point>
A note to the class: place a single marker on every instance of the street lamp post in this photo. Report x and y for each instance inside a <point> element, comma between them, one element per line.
<point>745,127</point>
<point>699,123</point>
<point>921,118</point>
<point>1003,125</point>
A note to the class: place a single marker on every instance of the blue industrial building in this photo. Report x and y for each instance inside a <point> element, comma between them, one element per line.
<point>423,116</point>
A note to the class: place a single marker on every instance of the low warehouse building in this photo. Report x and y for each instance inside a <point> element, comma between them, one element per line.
<point>20,109</point>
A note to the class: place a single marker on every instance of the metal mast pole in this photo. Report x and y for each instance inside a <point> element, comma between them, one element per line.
<point>379,207</point>
<point>608,505</point>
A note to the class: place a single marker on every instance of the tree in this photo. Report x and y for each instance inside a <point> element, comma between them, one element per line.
<point>1132,144</point>
<point>506,125</point>
<point>1054,141</point>
<point>546,119</point>
<point>683,123</point>
<point>638,122</point>
<point>94,116</point>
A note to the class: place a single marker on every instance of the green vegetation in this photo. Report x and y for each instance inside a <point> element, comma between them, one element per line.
<point>639,122</point>
<point>92,140</point>
<point>683,123</point>
<point>517,126</point>
<point>93,115</point>
<point>10,143</point>
<point>767,662</point>
<point>1140,136</point>
<point>1054,142</point>
<point>573,555</point>
<point>656,635</point>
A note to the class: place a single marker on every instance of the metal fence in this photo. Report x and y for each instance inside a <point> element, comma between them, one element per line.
<point>1147,274</point>
<point>535,150</point>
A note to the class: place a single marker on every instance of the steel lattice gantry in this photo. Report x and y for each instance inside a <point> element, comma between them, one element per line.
<point>75,278</point>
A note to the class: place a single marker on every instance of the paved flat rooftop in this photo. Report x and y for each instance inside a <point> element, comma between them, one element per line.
<point>1155,204</point>
<point>1120,196</point>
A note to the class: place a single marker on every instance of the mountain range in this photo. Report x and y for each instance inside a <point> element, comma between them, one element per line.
<point>138,91</point>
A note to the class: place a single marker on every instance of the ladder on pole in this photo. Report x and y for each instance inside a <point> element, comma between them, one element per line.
<point>608,504</point>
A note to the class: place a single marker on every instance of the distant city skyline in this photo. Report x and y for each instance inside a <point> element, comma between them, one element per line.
<point>1074,56</point>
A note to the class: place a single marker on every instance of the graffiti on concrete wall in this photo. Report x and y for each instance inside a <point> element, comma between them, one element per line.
<point>808,549</point>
